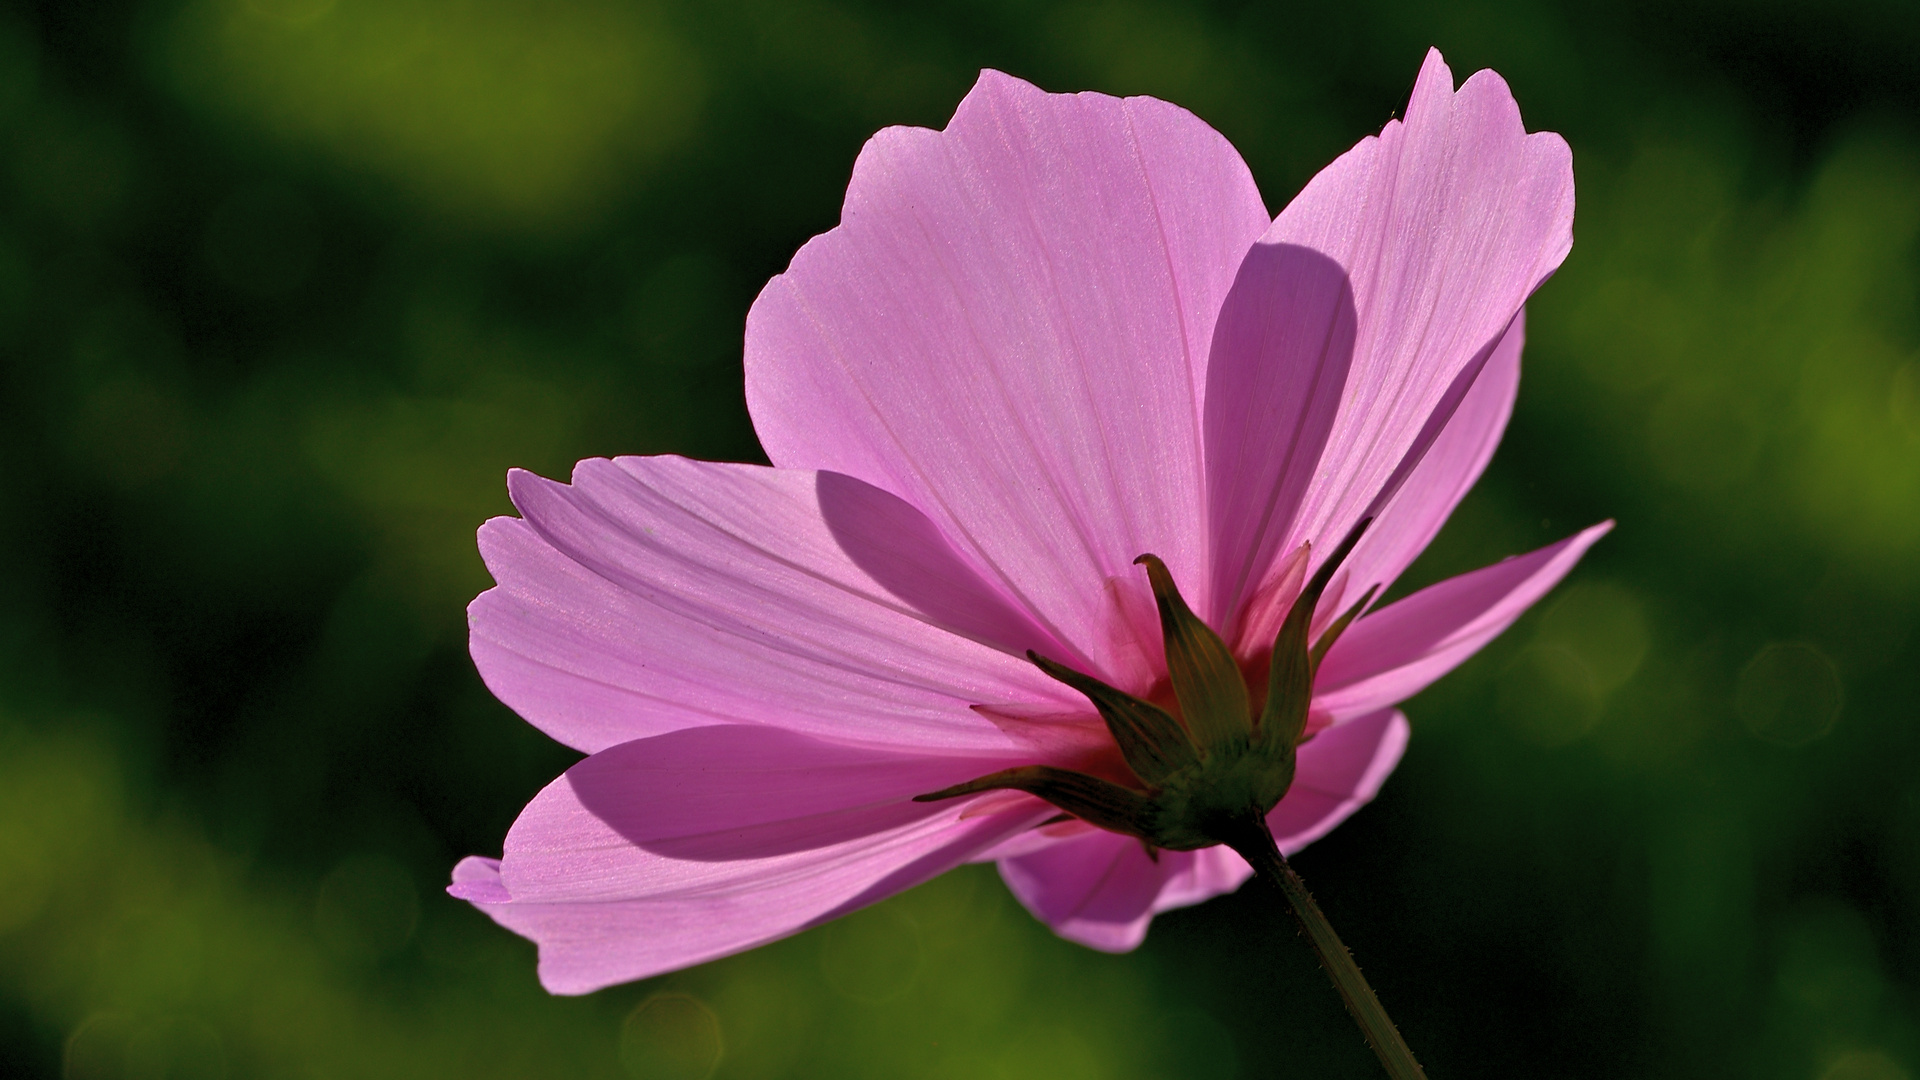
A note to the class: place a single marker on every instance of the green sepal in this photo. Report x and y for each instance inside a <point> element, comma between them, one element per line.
<point>1190,812</point>
<point>1206,680</point>
<point>1153,742</point>
<point>1208,780</point>
<point>1097,802</point>
<point>1290,674</point>
<point>1289,681</point>
<point>1340,625</point>
<point>1194,809</point>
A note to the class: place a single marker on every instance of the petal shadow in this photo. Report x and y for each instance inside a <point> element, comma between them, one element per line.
<point>903,551</point>
<point>1282,350</point>
<point>741,791</point>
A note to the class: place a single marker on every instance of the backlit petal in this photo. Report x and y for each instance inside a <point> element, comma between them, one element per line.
<point>1457,458</point>
<point>677,849</point>
<point>1341,770</point>
<point>1397,651</point>
<point>1102,890</point>
<point>660,593</point>
<point>1443,224</point>
<point>1009,329</point>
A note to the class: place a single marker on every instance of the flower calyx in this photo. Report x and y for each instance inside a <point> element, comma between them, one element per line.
<point>1205,775</point>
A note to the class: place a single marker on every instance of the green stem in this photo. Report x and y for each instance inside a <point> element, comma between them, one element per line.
<point>1255,844</point>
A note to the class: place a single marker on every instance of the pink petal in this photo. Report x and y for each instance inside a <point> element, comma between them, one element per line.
<point>660,593</point>
<point>1281,354</point>
<point>1101,890</point>
<point>1008,329</point>
<point>476,879</point>
<point>670,851</point>
<point>1340,770</point>
<point>1443,225</point>
<point>1451,466</point>
<point>1396,652</point>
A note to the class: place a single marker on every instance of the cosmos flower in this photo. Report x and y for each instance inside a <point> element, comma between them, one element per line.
<point>1059,335</point>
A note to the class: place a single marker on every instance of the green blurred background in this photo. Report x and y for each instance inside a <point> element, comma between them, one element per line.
<point>286,285</point>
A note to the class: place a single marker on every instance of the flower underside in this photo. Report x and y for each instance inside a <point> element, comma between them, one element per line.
<point>1202,778</point>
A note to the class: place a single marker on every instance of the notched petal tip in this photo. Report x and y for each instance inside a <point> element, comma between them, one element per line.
<point>1433,66</point>
<point>476,879</point>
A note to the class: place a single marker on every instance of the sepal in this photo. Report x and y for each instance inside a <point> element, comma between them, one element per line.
<point>1097,802</point>
<point>1207,779</point>
<point>1206,680</point>
<point>1153,743</point>
<point>1332,633</point>
<point>1290,674</point>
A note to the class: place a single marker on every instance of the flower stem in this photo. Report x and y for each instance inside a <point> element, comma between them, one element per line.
<point>1254,843</point>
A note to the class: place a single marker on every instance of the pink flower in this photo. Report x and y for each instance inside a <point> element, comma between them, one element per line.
<point>1059,334</point>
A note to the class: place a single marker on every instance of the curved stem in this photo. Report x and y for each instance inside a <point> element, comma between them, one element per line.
<point>1255,844</point>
